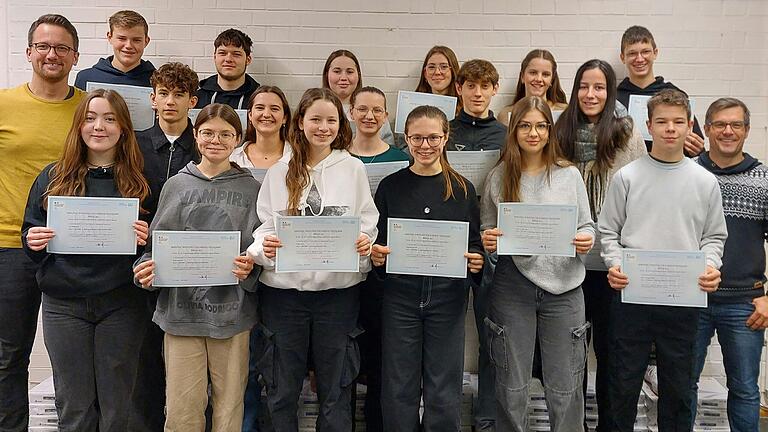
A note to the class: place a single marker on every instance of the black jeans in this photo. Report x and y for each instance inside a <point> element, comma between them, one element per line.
<point>19,304</point>
<point>598,296</point>
<point>370,350</point>
<point>634,328</point>
<point>93,344</point>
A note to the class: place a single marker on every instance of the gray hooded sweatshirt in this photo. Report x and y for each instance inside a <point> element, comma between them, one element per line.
<point>190,201</point>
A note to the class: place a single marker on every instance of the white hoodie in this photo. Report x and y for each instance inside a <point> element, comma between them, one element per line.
<point>342,184</point>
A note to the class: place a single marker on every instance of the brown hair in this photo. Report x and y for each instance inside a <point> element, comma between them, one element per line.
<point>235,38</point>
<point>512,159</point>
<point>222,111</point>
<point>670,97</point>
<point>449,174</point>
<point>297,177</point>
<point>477,70</point>
<point>341,53</point>
<point>423,86</point>
<point>636,34</point>
<point>555,93</point>
<point>367,89</point>
<point>127,19</point>
<point>723,104</point>
<point>175,76</point>
<point>69,173</point>
<point>250,130</point>
<point>57,20</point>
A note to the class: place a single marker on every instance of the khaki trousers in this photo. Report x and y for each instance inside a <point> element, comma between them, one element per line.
<point>188,362</point>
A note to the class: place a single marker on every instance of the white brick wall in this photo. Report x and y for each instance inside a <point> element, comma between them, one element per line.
<point>709,48</point>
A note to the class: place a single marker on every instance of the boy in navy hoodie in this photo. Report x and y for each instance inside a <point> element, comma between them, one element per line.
<point>231,85</point>
<point>129,36</point>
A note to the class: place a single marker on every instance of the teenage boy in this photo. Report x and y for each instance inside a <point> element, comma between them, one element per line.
<point>661,201</point>
<point>128,35</point>
<point>638,53</point>
<point>167,147</point>
<point>738,310</point>
<point>35,118</point>
<point>475,128</point>
<point>231,85</point>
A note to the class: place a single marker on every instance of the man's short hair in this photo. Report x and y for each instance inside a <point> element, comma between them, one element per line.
<point>477,70</point>
<point>57,20</point>
<point>636,34</point>
<point>669,97</point>
<point>175,76</point>
<point>128,19</point>
<point>723,104</point>
<point>235,38</point>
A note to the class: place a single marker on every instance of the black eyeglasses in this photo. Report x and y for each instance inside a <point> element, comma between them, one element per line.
<point>44,48</point>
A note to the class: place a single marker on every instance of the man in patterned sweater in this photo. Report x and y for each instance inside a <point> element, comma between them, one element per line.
<point>738,310</point>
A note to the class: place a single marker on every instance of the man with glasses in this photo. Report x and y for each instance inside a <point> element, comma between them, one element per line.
<point>638,53</point>
<point>738,310</point>
<point>35,118</point>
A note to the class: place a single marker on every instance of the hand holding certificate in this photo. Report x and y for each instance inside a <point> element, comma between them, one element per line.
<point>194,258</point>
<point>537,229</point>
<point>668,278</point>
<point>90,225</point>
<point>427,247</point>
<point>316,243</point>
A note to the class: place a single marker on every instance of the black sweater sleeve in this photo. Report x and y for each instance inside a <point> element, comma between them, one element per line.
<point>34,215</point>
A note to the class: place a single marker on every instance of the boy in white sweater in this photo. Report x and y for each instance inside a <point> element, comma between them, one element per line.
<point>661,201</point>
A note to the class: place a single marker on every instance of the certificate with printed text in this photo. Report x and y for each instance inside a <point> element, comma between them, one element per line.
<point>243,114</point>
<point>537,229</point>
<point>194,258</point>
<point>377,171</point>
<point>666,278</point>
<point>92,226</point>
<point>408,100</point>
<point>427,247</point>
<point>474,165</point>
<point>317,243</point>
<point>137,99</point>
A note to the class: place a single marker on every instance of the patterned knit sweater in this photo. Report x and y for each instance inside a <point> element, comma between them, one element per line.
<point>745,203</point>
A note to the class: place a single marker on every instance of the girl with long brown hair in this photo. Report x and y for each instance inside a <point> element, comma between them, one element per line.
<point>92,313</point>
<point>318,178</point>
<point>536,297</point>
<point>423,316</point>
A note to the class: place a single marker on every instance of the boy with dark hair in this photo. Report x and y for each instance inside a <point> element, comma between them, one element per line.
<point>231,85</point>
<point>167,148</point>
<point>129,36</point>
<point>661,201</point>
<point>638,53</point>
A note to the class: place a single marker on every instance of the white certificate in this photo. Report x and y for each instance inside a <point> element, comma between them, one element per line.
<point>408,100</point>
<point>668,278</point>
<point>474,165</point>
<point>638,110</point>
<point>243,114</point>
<point>537,229</point>
<point>137,99</point>
<point>377,172</point>
<point>317,243</point>
<point>92,226</point>
<point>427,247</point>
<point>194,258</point>
<point>258,173</point>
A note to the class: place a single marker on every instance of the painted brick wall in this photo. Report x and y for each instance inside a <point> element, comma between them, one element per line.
<point>710,48</point>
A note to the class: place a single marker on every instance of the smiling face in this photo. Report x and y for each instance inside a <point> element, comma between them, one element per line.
<point>537,77</point>
<point>593,92</point>
<point>266,114</point>
<point>101,130</point>
<point>343,77</point>
<point>216,139</point>
<point>172,105</point>
<point>438,73</point>
<point>320,125</point>
<point>230,62</point>
<point>668,128</point>
<point>476,97</point>
<point>369,113</point>
<point>50,66</point>
<point>638,58</point>
<point>128,45</point>
<point>532,133</point>
<point>727,132</point>
<point>426,141</point>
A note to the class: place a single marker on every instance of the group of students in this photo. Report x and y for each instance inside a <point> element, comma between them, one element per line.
<point>116,370</point>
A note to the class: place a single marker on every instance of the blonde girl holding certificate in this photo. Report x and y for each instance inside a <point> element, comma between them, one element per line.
<point>536,297</point>
<point>423,316</point>
<point>313,309</point>
<point>93,317</point>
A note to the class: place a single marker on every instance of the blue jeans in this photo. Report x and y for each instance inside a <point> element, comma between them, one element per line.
<point>741,348</point>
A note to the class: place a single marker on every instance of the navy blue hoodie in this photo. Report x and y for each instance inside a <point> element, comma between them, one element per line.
<point>210,92</point>
<point>104,72</point>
